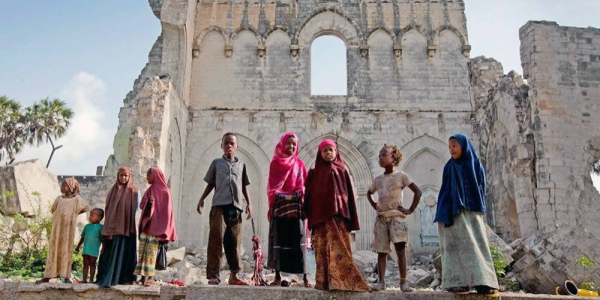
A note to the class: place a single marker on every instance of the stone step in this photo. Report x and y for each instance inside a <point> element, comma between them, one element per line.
<point>28,290</point>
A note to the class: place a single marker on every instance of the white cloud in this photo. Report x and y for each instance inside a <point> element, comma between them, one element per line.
<point>88,141</point>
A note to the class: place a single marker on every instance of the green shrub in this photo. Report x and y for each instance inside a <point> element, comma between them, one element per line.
<point>499,263</point>
<point>583,263</point>
<point>23,256</point>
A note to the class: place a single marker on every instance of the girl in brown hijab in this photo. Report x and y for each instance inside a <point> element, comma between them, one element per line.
<point>119,256</point>
<point>331,212</point>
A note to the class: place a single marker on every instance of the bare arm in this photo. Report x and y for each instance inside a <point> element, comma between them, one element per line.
<point>416,199</point>
<point>248,206</point>
<point>79,245</point>
<point>207,191</point>
<point>372,201</point>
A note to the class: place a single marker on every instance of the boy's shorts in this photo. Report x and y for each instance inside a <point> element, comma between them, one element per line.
<point>388,230</point>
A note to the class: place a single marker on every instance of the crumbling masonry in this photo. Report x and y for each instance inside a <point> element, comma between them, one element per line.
<point>244,66</point>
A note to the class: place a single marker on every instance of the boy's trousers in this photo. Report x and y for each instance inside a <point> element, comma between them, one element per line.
<point>225,232</point>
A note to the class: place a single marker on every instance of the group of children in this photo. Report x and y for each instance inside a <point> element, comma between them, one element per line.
<point>320,202</point>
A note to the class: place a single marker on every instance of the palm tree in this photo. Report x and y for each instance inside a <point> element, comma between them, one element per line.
<point>47,120</point>
<point>12,133</point>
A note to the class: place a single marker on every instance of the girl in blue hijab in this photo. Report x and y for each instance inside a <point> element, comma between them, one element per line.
<point>466,257</point>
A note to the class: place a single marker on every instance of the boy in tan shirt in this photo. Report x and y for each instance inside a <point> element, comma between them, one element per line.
<point>390,225</point>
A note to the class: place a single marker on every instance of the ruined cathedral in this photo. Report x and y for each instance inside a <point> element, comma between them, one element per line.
<point>244,66</point>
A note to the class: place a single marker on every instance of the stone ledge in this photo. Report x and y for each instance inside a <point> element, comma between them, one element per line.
<point>28,290</point>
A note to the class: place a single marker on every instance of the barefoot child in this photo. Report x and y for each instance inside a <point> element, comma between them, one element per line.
<point>390,224</point>
<point>227,176</point>
<point>64,222</point>
<point>91,238</point>
<point>287,224</point>
<point>466,257</point>
<point>156,224</point>
<point>331,212</point>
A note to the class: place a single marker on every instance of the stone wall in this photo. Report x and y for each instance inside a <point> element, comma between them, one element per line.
<point>245,67</point>
<point>94,189</point>
<point>406,55</point>
<point>408,84</point>
<point>152,132</point>
<point>503,127</point>
<point>562,67</point>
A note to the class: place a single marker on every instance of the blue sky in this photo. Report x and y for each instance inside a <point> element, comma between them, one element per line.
<point>88,53</point>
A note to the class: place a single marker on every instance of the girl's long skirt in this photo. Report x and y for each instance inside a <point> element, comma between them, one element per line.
<point>336,269</point>
<point>287,246</point>
<point>117,261</point>
<point>148,249</point>
<point>466,257</point>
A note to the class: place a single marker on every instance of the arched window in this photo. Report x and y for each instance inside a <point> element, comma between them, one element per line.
<point>328,66</point>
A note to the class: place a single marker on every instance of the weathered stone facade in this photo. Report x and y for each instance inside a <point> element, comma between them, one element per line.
<point>562,67</point>
<point>244,66</point>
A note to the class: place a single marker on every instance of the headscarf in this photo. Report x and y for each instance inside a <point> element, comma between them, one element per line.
<point>73,185</point>
<point>157,218</point>
<point>287,173</point>
<point>463,183</point>
<point>329,191</point>
<point>120,208</point>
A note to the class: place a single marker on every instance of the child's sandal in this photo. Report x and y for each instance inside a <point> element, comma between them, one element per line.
<point>487,291</point>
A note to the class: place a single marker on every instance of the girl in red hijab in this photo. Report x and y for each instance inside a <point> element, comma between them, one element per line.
<point>287,229</point>
<point>156,224</point>
<point>331,211</point>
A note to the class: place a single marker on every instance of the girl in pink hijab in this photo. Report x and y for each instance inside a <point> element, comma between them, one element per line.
<point>156,224</point>
<point>287,229</point>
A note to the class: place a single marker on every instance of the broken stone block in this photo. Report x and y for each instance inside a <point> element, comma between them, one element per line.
<point>500,244</point>
<point>418,277</point>
<point>175,255</point>
<point>364,259</point>
<point>164,275</point>
<point>26,186</point>
<point>437,263</point>
<point>189,275</point>
<point>180,264</point>
<point>547,258</point>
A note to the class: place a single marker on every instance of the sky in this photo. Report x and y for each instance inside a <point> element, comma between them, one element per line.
<point>88,53</point>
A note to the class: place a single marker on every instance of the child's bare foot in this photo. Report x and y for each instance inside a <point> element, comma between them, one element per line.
<point>149,281</point>
<point>42,280</point>
<point>405,287</point>
<point>307,283</point>
<point>276,282</point>
<point>84,281</point>
<point>379,286</point>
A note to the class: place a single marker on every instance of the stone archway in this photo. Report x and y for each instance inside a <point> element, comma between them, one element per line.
<point>361,175</point>
<point>424,163</point>
<point>194,228</point>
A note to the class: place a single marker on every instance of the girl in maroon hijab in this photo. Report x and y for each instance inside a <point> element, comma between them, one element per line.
<point>119,234</point>
<point>287,229</point>
<point>331,211</point>
<point>156,224</point>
